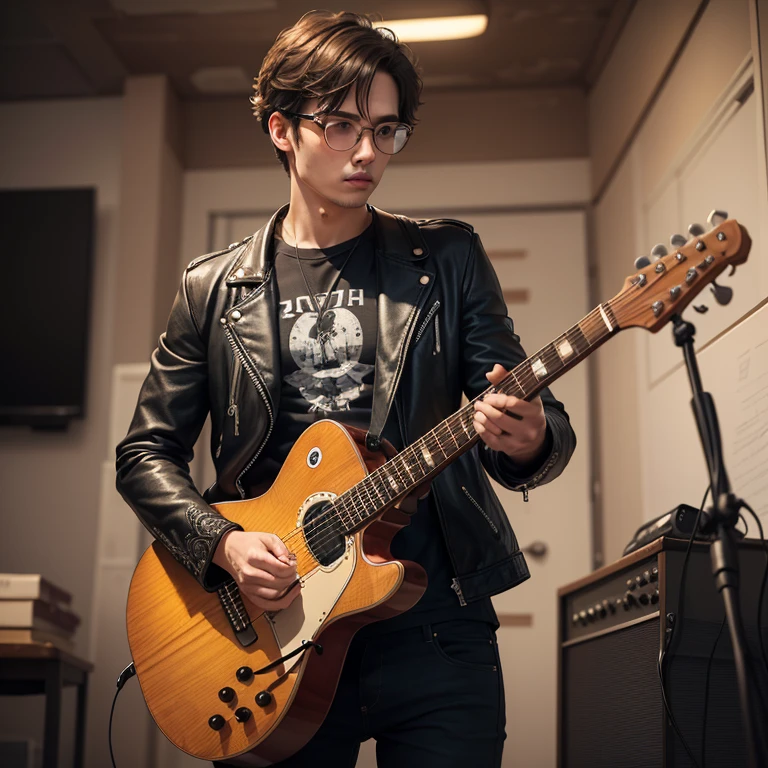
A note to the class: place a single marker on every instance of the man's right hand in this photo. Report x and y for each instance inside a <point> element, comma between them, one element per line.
<point>262,567</point>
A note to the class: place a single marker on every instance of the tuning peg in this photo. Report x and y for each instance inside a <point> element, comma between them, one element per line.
<point>723,294</point>
<point>716,217</point>
<point>642,261</point>
<point>695,230</point>
<point>701,309</point>
<point>676,241</point>
<point>659,250</point>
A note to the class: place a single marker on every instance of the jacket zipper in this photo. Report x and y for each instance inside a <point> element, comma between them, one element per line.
<point>525,487</point>
<point>456,587</point>
<point>482,511</point>
<point>436,350</point>
<point>425,323</point>
<point>262,392</point>
<point>233,409</point>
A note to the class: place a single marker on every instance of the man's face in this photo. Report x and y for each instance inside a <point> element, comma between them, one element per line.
<point>327,171</point>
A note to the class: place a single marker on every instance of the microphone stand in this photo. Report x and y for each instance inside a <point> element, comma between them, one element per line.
<point>721,523</point>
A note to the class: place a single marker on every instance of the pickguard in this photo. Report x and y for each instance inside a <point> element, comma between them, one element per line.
<point>304,617</point>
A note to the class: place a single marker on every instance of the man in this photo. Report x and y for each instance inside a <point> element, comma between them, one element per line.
<point>338,310</point>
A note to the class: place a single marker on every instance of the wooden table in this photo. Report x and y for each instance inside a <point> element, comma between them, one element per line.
<point>37,668</point>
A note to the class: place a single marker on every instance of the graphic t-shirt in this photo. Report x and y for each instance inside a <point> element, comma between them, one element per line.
<point>327,372</point>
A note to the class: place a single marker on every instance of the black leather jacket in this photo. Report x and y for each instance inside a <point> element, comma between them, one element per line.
<point>442,324</point>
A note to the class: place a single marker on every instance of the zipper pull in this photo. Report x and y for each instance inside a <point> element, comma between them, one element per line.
<point>525,494</point>
<point>456,587</point>
<point>233,410</point>
<point>436,350</point>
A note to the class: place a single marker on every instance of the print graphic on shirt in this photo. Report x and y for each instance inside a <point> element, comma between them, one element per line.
<point>330,374</point>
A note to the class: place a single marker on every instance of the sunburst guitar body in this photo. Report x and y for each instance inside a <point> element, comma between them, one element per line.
<point>200,656</point>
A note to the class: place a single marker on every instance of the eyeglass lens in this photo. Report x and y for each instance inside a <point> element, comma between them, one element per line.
<point>390,138</point>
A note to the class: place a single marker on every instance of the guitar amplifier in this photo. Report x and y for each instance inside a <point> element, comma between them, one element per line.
<point>612,625</point>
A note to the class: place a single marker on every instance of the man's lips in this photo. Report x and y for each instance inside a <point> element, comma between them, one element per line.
<point>359,180</point>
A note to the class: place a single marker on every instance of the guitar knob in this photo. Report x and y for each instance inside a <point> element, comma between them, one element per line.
<point>242,714</point>
<point>264,699</point>
<point>659,250</point>
<point>676,241</point>
<point>694,230</point>
<point>226,695</point>
<point>217,722</point>
<point>244,674</point>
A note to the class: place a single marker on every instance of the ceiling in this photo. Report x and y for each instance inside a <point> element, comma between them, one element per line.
<point>79,48</point>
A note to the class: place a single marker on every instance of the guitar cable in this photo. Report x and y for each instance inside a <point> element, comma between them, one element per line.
<point>122,679</point>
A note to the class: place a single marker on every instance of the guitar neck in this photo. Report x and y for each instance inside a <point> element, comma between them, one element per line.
<point>435,450</point>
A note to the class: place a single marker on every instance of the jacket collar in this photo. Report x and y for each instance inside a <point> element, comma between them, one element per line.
<point>396,237</point>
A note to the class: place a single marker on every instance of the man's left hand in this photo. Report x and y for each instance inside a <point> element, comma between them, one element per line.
<point>506,423</point>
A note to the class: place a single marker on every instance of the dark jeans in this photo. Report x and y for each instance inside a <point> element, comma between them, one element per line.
<point>431,696</point>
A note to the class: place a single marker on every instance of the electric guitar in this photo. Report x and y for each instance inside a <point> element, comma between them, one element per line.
<point>226,681</point>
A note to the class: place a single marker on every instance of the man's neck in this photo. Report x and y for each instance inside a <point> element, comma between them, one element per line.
<point>317,226</point>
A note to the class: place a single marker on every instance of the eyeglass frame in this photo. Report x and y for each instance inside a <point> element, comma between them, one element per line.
<point>315,119</point>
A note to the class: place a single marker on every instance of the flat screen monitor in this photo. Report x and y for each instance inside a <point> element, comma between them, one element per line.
<point>47,260</point>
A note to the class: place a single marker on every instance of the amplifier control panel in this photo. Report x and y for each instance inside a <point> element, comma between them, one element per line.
<point>621,597</point>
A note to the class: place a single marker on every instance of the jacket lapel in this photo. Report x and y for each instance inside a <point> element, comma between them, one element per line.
<point>404,285</point>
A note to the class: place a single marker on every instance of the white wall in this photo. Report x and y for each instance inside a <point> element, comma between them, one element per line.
<point>50,482</point>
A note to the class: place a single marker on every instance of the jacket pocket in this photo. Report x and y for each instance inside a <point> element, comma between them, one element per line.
<point>477,506</point>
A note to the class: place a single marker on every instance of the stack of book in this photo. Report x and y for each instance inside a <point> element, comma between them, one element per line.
<point>32,610</point>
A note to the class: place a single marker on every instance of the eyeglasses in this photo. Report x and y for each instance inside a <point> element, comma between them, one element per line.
<point>342,134</point>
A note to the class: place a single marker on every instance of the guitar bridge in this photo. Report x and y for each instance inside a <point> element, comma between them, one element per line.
<point>239,620</point>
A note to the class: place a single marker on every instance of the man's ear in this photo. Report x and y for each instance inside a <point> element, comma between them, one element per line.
<point>279,126</point>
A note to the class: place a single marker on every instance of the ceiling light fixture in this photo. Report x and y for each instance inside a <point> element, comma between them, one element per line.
<point>438,28</point>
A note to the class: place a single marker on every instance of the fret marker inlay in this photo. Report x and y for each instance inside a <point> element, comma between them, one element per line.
<point>605,318</point>
<point>539,369</point>
<point>427,457</point>
<point>564,349</point>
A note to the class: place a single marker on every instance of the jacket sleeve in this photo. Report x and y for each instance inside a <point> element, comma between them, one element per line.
<point>488,337</point>
<point>153,459</point>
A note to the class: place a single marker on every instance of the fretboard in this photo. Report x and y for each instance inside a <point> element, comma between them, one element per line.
<point>434,451</point>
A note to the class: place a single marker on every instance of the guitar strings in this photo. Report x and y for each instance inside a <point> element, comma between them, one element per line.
<point>325,528</point>
<point>325,525</point>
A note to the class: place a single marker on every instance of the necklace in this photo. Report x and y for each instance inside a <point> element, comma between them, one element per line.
<point>323,328</point>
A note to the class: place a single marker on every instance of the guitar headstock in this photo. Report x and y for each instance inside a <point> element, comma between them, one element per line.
<point>666,286</point>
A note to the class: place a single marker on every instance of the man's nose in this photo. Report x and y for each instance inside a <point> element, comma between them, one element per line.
<point>366,147</point>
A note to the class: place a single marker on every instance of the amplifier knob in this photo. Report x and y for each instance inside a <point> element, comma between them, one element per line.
<point>654,573</point>
<point>609,606</point>
<point>583,617</point>
<point>619,602</point>
<point>217,722</point>
<point>641,580</point>
<point>591,614</point>
<point>655,597</point>
<point>575,619</point>
<point>629,599</point>
<point>631,583</point>
<point>627,605</point>
<point>643,598</point>
<point>600,610</point>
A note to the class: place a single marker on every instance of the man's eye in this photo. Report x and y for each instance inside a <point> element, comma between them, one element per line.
<point>385,130</point>
<point>343,125</point>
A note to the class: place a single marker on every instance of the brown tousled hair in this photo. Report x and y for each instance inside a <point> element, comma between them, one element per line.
<point>322,56</point>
